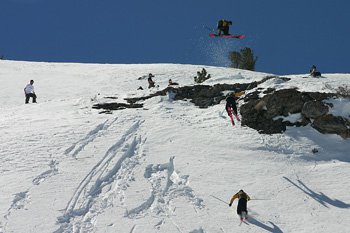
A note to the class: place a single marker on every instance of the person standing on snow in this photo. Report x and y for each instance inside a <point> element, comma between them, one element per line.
<point>243,198</point>
<point>314,72</point>
<point>151,83</point>
<point>29,92</point>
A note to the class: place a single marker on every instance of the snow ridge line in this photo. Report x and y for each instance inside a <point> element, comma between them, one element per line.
<point>162,195</point>
<point>102,174</point>
<point>91,136</point>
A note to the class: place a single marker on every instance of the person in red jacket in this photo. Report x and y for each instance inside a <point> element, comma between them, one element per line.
<point>243,198</point>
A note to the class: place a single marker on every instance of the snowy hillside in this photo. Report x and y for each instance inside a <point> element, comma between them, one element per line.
<point>167,167</point>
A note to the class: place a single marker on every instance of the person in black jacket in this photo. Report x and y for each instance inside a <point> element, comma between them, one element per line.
<point>231,104</point>
<point>223,27</point>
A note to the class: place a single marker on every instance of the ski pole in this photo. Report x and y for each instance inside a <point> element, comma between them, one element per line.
<point>219,199</point>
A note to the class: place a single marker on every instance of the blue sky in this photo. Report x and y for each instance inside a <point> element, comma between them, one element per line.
<point>287,36</point>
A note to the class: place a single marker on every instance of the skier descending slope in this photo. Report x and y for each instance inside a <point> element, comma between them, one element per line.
<point>231,107</point>
<point>243,198</point>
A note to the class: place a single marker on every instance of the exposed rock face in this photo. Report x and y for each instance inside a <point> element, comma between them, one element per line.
<point>202,96</point>
<point>116,106</point>
<point>259,119</point>
<point>332,125</point>
<point>283,102</point>
<point>314,109</point>
<point>265,114</point>
<point>261,114</point>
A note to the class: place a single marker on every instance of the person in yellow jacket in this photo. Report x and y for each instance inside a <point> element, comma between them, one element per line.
<point>243,198</point>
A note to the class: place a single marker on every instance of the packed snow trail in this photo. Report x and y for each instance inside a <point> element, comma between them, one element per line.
<point>98,180</point>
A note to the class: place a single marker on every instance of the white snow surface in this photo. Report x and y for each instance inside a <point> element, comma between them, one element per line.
<point>167,167</point>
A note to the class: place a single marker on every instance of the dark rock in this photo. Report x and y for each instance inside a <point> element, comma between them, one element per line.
<point>259,113</point>
<point>251,96</point>
<point>259,120</point>
<point>332,125</point>
<point>269,90</point>
<point>116,106</point>
<point>283,102</point>
<point>319,96</point>
<point>314,109</point>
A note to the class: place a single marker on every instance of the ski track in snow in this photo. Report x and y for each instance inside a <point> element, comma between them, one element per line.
<point>22,198</point>
<point>51,172</point>
<point>90,137</point>
<point>94,191</point>
<point>74,150</point>
<point>167,185</point>
<point>18,202</point>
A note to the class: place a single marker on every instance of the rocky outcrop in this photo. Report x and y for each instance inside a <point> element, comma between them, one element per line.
<point>202,96</point>
<point>116,106</point>
<point>314,109</point>
<point>332,125</point>
<point>267,114</point>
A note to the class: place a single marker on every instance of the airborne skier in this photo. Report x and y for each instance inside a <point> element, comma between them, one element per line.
<point>223,27</point>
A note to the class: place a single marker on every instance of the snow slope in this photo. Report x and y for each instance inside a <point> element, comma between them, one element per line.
<point>170,167</point>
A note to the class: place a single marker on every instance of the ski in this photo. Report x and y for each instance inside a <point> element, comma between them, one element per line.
<point>232,121</point>
<point>232,113</point>
<point>243,217</point>
<point>227,36</point>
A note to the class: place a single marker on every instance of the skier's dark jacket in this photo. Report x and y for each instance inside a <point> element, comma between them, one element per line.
<point>231,103</point>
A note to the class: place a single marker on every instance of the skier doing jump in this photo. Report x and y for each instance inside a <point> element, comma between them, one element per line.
<point>243,198</point>
<point>223,27</point>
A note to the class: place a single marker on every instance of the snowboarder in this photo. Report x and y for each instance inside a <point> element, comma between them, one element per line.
<point>314,72</point>
<point>243,198</point>
<point>223,27</point>
<point>29,92</point>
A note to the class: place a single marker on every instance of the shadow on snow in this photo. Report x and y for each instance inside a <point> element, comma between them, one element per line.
<point>274,228</point>
<point>319,197</point>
